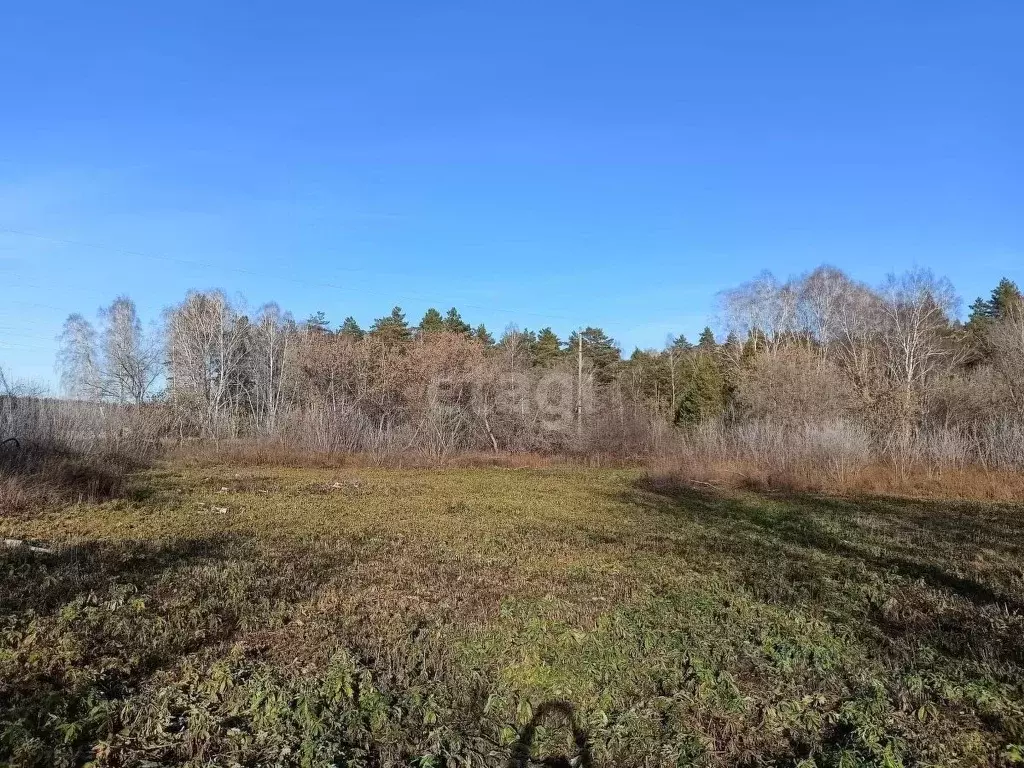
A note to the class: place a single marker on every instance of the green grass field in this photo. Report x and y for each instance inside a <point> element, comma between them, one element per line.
<point>383,617</point>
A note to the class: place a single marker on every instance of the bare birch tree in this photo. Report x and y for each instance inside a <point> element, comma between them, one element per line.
<point>119,364</point>
<point>762,310</point>
<point>270,363</point>
<point>78,359</point>
<point>205,353</point>
<point>821,295</point>
<point>916,310</point>
<point>131,360</point>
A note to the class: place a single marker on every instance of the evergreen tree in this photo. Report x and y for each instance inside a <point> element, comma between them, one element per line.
<point>547,349</point>
<point>702,391</point>
<point>706,342</point>
<point>679,343</point>
<point>484,336</point>
<point>392,328</point>
<point>979,314</point>
<point>529,339</point>
<point>453,322</point>
<point>985,314</point>
<point>432,322</point>
<point>1005,296</point>
<point>318,323</point>
<point>350,329</point>
<point>600,349</point>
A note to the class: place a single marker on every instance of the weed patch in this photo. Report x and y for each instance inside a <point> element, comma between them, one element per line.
<point>367,616</point>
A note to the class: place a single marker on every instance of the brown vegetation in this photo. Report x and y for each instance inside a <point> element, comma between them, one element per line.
<point>57,451</point>
<point>823,383</point>
<point>231,615</point>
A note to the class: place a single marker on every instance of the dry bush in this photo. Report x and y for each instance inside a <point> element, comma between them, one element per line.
<point>967,398</point>
<point>255,452</point>
<point>768,454</point>
<point>621,433</point>
<point>838,455</point>
<point>1000,444</point>
<point>273,452</point>
<point>328,428</point>
<point>841,457</point>
<point>874,480</point>
<point>64,450</point>
<point>793,386</point>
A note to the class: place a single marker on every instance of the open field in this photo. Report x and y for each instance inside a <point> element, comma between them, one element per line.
<point>229,616</point>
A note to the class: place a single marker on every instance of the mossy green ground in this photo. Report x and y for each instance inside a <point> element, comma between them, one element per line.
<point>383,617</point>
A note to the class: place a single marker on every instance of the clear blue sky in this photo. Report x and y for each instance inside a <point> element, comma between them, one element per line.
<point>580,163</point>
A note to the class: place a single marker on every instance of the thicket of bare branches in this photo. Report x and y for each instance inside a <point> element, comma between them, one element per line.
<point>819,369</point>
<point>63,449</point>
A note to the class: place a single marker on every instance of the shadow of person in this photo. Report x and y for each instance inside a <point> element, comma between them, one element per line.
<point>520,757</point>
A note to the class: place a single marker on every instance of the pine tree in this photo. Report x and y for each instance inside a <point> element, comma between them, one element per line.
<point>529,341</point>
<point>318,323</point>
<point>350,329</point>
<point>679,343</point>
<point>432,322</point>
<point>393,328</point>
<point>702,391</point>
<point>453,322</point>
<point>979,311</point>
<point>1005,296</point>
<point>600,349</point>
<point>548,348</point>
<point>483,335</point>
<point>985,315</point>
<point>706,342</point>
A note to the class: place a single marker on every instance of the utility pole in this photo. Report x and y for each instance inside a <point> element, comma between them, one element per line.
<point>579,382</point>
<point>672,372</point>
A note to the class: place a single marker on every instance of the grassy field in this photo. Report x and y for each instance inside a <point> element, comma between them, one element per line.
<point>229,616</point>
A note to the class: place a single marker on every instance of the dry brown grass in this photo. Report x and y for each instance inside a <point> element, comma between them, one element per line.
<point>281,453</point>
<point>38,476</point>
<point>34,477</point>
<point>64,451</point>
<point>877,478</point>
<point>767,474</point>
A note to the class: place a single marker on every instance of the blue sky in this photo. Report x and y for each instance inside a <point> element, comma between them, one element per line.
<point>558,164</point>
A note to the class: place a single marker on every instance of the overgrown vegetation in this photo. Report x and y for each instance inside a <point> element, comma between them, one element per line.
<point>57,450</point>
<point>820,377</point>
<point>191,601</point>
<point>258,616</point>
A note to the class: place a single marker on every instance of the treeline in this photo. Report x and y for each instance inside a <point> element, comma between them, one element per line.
<point>439,385</point>
<point>853,373</point>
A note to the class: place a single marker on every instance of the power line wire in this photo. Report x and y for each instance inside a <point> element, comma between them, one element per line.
<point>18,347</point>
<point>7,332</point>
